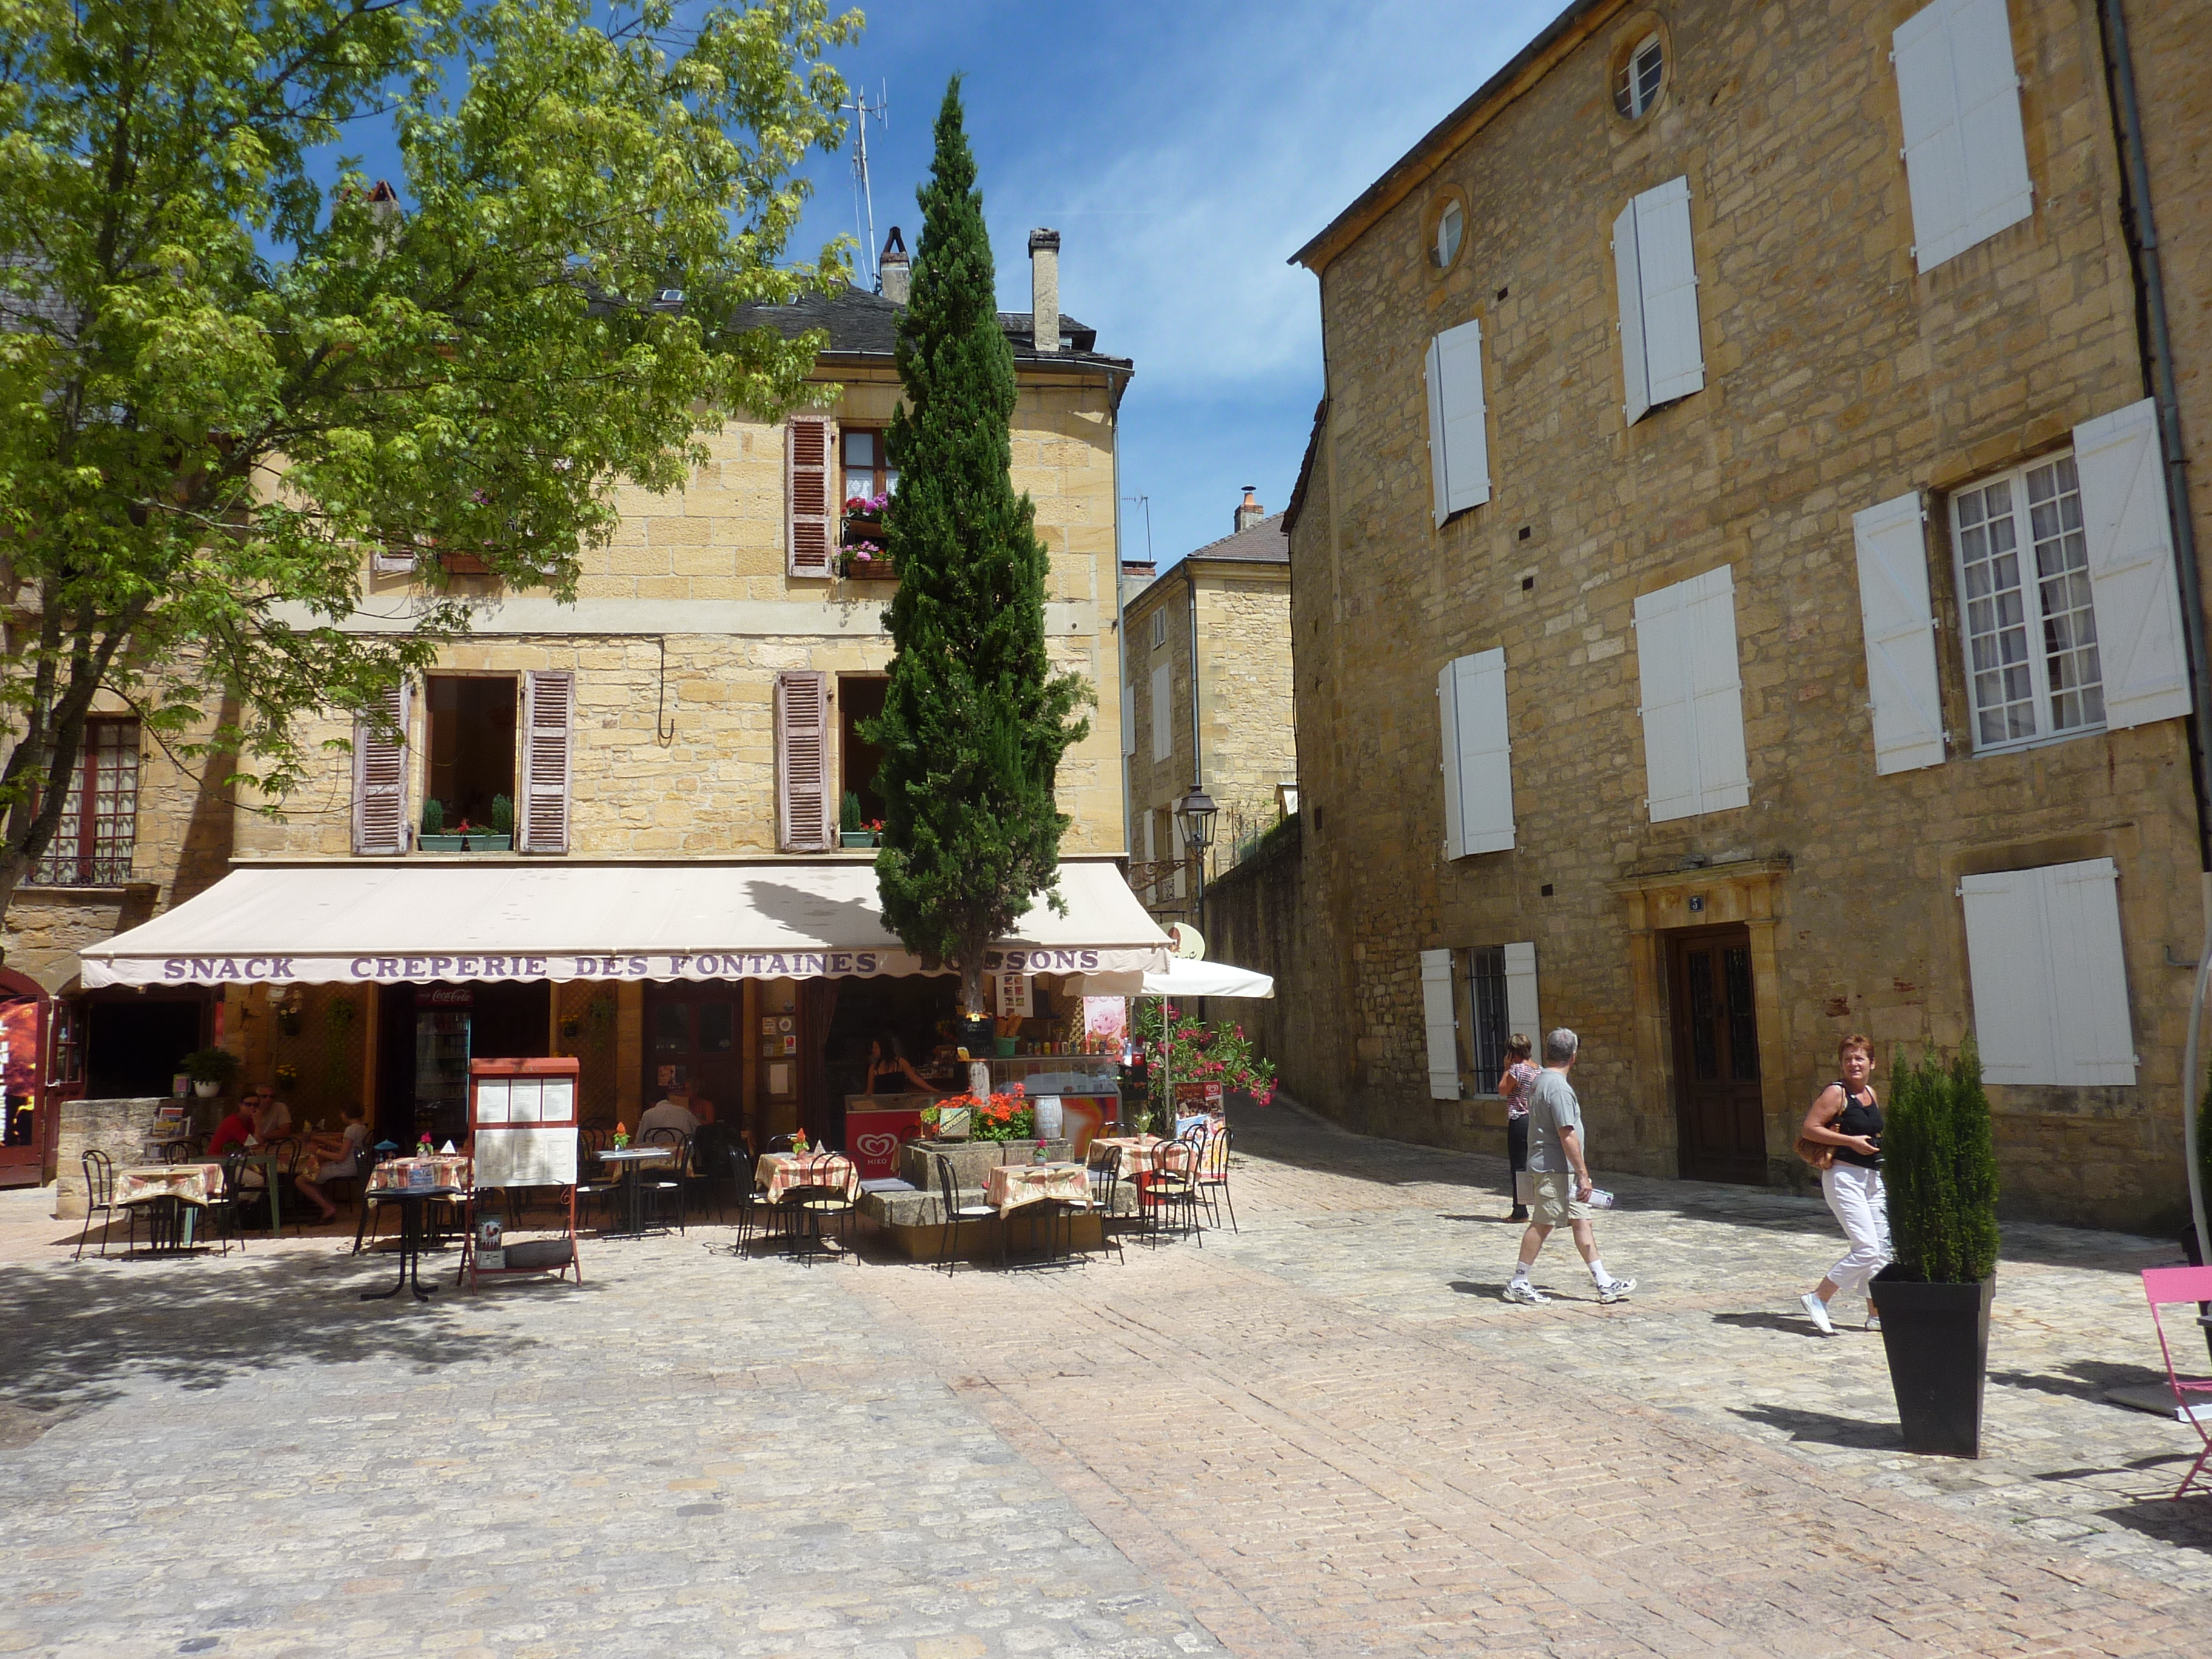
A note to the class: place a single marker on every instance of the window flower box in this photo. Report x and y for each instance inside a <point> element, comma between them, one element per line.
<point>476,840</point>
<point>865,566</point>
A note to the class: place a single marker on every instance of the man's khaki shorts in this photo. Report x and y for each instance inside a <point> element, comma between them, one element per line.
<point>1556,1202</point>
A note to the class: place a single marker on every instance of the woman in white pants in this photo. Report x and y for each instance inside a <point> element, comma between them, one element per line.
<point>1848,1117</point>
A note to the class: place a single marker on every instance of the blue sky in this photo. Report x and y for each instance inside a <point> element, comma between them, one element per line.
<point>1184,149</point>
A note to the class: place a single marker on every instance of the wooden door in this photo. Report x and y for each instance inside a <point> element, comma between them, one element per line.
<point>1721,1126</point>
<point>696,1032</point>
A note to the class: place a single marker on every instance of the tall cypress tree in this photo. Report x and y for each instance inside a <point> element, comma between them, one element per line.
<point>975,721</point>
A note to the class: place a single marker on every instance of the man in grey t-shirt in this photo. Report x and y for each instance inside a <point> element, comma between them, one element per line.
<point>1559,1168</point>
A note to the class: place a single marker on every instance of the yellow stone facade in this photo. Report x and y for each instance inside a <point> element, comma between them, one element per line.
<point>1837,376</point>
<point>1247,715</point>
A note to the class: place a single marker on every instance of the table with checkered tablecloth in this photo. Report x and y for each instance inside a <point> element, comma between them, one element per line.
<point>1010,1186</point>
<point>779,1172</point>
<point>447,1169</point>
<point>188,1183</point>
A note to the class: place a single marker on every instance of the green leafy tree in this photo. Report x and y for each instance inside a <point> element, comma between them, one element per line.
<point>1939,1167</point>
<point>975,721</point>
<point>221,383</point>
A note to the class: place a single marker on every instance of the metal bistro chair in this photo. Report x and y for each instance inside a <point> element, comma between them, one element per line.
<point>593,1188</point>
<point>665,1187</point>
<point>956,1212</point>
<point>1167,1195</point>
<point>2166,1286</point>
<point>100,1201</point>
<point>710,1169</point>
<point>1103,1167</point>
<point>756,1215</point>
<point>1212,1178</point>
<point>223,1209</point>
<point>816,1201</point>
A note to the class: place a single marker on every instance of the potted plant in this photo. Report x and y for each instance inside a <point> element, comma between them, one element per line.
<point>210,1069</point>
<point>850,832</point>
<point>1938,1166</point>
<point>439,836</point>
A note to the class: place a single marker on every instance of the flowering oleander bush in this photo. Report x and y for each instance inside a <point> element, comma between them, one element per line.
<point>1198,1053</point>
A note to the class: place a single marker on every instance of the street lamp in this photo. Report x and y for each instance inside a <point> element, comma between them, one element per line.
<point>1196,811</point>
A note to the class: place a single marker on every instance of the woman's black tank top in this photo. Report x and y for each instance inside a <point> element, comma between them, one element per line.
<point>1858,1117</point>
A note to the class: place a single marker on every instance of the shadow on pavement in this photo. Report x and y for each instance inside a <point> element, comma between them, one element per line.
<point>1823,1428</point>
<point>199,1324</point>
<point>2185,1523</point>
<point>2086,1379</point>
<point>1797,1326</point>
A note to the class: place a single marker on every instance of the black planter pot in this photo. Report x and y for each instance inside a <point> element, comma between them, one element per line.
<point>1936,1338</point>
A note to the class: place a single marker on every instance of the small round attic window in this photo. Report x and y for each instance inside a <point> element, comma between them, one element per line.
<point>1635,83</point>
<point>1452,233</point>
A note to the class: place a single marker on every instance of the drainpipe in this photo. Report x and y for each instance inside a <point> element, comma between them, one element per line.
<point>1197,743</point>
<point>2137,219</point>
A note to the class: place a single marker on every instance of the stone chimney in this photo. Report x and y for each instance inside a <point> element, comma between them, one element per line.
<point>1044,290</point>
<point>1249,511</point>
<point>894,276</point>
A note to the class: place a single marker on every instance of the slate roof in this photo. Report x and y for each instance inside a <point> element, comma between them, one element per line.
<point>1265,543</point>
<point>864,325</point>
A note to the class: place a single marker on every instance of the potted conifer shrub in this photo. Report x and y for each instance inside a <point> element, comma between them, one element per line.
<point>1938,1166</point>
<point>850,831</point>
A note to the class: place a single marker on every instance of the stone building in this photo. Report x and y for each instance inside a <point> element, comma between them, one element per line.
<point>1208,700</point>
<point>679,751</point>
<point>1736,596</point>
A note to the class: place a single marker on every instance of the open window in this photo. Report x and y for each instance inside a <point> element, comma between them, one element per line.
<point>471,750</point>
<point>93,838</point>
<point>859,698</point>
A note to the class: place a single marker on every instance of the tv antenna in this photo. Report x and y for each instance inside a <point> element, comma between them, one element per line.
<point>864,197</point>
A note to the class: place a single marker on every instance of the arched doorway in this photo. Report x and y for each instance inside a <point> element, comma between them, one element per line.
<point>29,1125</point>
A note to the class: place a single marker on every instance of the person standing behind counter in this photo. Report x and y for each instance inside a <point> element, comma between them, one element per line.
<point>889,1072</point>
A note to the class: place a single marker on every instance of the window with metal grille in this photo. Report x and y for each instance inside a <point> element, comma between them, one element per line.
<point>2031,631</point>
<point>1489,1033</point>
<point>92,843</point>
<point>1636,89</point>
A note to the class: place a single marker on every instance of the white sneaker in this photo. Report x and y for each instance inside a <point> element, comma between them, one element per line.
<point>1616,1290</point>
<point>1522,1291</point>
<point>1817,1311</point>
<point>1874,1322</point>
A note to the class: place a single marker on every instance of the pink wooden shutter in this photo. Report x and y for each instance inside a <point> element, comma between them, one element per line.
<point>809,447</point>
<point>802,762</point>
<point>379,780</point>
<point>547,698</point>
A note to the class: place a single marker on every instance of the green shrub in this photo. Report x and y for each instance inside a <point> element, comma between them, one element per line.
<point>502,815</point>
<point>848,815</point>
<point>1939,1165</point>
<point>210,1065</point>
<point>434,817</point>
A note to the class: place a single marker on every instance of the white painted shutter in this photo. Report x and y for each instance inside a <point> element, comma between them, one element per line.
<point>1628,280</point>
<point>1692,691</point>
<point>1163,712</point>
<point>391,561</point>
<point>379,780</point>
<point>802,762</point>
<point>1459,446</point>
<point>548,699</point>
<point>1902,685</point>
<point>1437,1014</point>
<point>1966,150</point>
<point>1129,721</point>
<point>1478,765</point>
<point>2049,975</point>
<point>809,448</point>
<point>2132,580</point>
<point>1667,271</point>
<point>1520,1011</point>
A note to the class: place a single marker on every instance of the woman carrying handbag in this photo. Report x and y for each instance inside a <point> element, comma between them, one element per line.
<point>1841,1137</point>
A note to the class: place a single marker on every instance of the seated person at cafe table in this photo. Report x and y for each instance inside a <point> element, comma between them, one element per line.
<point>272,1118</point>
<point>670,1112</point>
<point>241,1132</point>
<point>342,1154</point>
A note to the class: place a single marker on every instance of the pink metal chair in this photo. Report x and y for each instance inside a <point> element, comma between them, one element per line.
<point>2168,1286</point>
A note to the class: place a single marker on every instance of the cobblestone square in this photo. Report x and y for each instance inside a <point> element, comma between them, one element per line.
<point>1322,1434</point>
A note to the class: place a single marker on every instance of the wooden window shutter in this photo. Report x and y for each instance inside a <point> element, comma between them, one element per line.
<point>810,447</point>
<point>1903,688</point>
<point>802,762</point>
<point>2124,516</point>
<point>1965,150</point>
<point>549,698</point>
<point>379,780</point>
<point>1628,280</point>
<point>1521,1011</point>
<point>2049,975</point>
<point>1667,272</point>
<point>1694,759</point>
<point>1477,757</point>
<point>1442,1021</point>
<point>1459,446</point>
<point>1164,712</point>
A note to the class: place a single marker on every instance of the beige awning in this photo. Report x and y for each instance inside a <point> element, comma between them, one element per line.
<point>411,921</point>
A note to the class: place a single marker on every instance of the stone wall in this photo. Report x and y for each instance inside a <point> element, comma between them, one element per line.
<point>118,1128</point>
<point>1835,377</point>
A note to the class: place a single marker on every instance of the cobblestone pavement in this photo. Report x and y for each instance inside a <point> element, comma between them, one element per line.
<point>1321,1435</point>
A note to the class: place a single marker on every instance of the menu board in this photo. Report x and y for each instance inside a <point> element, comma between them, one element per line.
<point>525,1115</point>
<point>524,1101</point>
